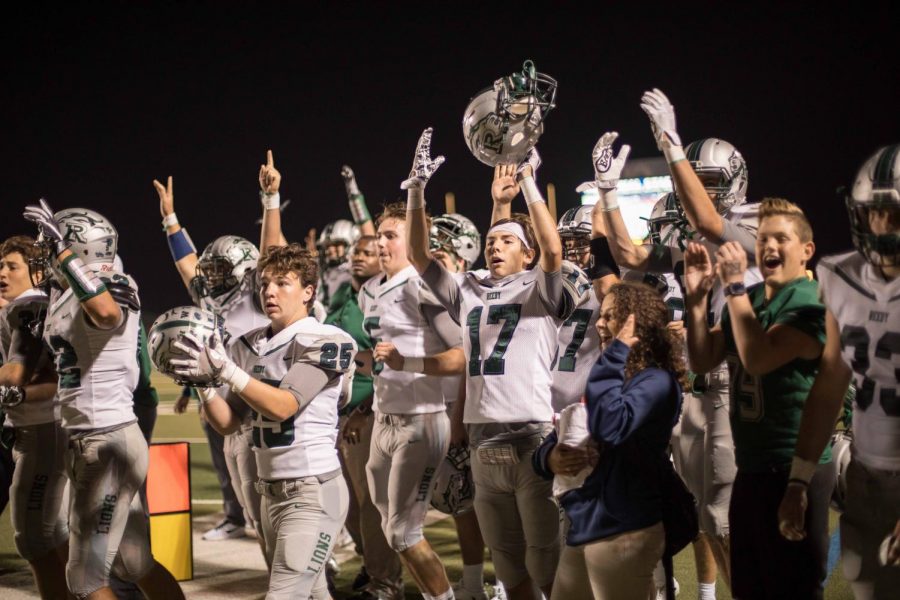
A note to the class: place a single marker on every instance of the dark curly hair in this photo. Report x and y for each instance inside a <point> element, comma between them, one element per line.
<point>657,345</point>
<point>281,260</point>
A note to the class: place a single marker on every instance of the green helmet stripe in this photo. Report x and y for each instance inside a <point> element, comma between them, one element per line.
<point>693,150</point>
<point>883,175</point>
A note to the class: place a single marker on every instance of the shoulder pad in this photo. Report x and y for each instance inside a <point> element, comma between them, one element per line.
<point>124,294</point>
<point>333,352</point>
<point>575,281</point>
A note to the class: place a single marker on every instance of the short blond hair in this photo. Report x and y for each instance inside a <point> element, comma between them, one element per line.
<point>779,207</point>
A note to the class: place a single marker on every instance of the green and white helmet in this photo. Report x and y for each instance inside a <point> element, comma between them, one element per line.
<point>722,169</point>
<point>456,234</point>
<point>575,225</point>
<point>170,327</point>
<point>877,186</point>
<point>90,236</point>
<point>224,263</point>
<point>341,231</point>
<point>503,122</point>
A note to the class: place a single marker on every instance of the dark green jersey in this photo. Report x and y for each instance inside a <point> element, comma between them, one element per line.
<point>766,410</point>
<point>344,312</point>
<point>144,393</point>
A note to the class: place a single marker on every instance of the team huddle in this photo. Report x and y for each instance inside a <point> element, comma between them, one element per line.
<point>355,381</point>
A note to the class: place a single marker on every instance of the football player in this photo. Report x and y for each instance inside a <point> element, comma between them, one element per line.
<point>412,432</point>
<point>772,335</point>
<point>510,317</point>
<point>294,374</point>
<point>333,248</point>
<point>710,180</point>
<point>92,330</point>
<point>39,480</point>
<point>859,289</point>
<point>381,575</point>
<point>222,280</point>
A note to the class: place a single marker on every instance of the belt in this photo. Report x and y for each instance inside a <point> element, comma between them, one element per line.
<point>399,420</point>
<point>285,488</point>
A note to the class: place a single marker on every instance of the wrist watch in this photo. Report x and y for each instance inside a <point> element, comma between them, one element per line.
<point>736,288</point>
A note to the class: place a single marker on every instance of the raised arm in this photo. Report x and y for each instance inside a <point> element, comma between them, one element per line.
<point>706,348</point>
<point>269,186</point>
<point>416,223</point>
<point>99,305</point>
<point>761,350</point>
<point>184,253</point>
<point>698,207</point>
<point>357,203</point>
<point>541,220</point>
<point>503,189</point>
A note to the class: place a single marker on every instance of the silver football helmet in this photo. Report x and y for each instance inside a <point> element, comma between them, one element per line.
<point>667,224</point>
<point>453,490</point>
<point>224,263</point>
<point>722,169</point>
<point>90,236</point>
<point>503,122</point>
<point>877,187</point>
<point>170,327</point>
<point>841,442</point>
<point>574,229</point>
<point>341,231</point>
<point>456,234</point>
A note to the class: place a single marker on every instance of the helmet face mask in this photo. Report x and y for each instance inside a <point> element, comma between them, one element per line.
<point>721,169</point>
<point>223,265</point>
<point>575,228</point>
<point>668,219</point>
<point>456,235</point>
<point>334,241</point>
<point>503,122</point>
<point>873,206</point>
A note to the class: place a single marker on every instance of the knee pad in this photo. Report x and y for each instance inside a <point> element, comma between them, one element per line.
<point>401,538</point>
<point>541,563</point>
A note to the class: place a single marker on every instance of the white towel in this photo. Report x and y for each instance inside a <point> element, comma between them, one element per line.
<point>572,430</point>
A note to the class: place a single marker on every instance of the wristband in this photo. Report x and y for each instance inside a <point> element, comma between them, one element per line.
<point>358,209</point>
<point>415,198</point>
<point>169,220</point>
<point>414,364</point>
<point>84,282</point>
<point>208,394</point>
<point>270,201</point>
<point>530,191</point>
<point>608,199</point>
<point>673,154</point>
<point>602,261</point>
<point>180,244</point>
<point>802,470</point>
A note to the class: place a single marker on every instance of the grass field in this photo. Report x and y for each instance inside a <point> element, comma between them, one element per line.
<point>205,493</point>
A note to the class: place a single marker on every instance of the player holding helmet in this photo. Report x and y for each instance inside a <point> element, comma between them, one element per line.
<point>859,290</point>
<point>92,330</point>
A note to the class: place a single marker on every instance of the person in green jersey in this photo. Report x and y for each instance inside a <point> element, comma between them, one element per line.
<point>772,335</point>
<point>381,574</point>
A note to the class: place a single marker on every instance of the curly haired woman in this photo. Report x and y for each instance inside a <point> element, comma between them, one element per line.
<point>633,400</point>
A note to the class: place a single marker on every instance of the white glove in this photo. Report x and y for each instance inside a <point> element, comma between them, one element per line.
<point>349,181</point>
<point>607,168</point>
<point>662,119</point>
<point>42,216</point>
<point>208,360</point>
<point>533,160</point>
<point>11,396</point>
<point>423,165</point>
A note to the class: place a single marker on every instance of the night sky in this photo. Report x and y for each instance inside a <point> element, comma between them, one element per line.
<point>99,101</point>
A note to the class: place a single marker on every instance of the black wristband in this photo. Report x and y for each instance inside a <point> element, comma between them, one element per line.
<point>602,261</point>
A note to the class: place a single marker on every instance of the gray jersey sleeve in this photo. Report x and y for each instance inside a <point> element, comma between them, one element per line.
<point>305,381</point>
<point>743,233</point>
<point>442,324</point>
<point>556,298</point>
<point>444,288</point>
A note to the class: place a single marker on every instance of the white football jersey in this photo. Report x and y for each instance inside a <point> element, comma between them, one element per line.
<point>25,314</point>
<point>331,279</point>
<point>511,343</point>
<point>304,444</point>
<point>867,309</point>
<point>741,225</point>
<point>392,310</point>
<point>97,369</point>
<point>578,341</point>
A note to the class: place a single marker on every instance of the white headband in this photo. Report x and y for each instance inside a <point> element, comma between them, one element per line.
<point>514,229</point>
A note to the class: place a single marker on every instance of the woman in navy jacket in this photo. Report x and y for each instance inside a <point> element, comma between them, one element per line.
<point>633,397</point>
